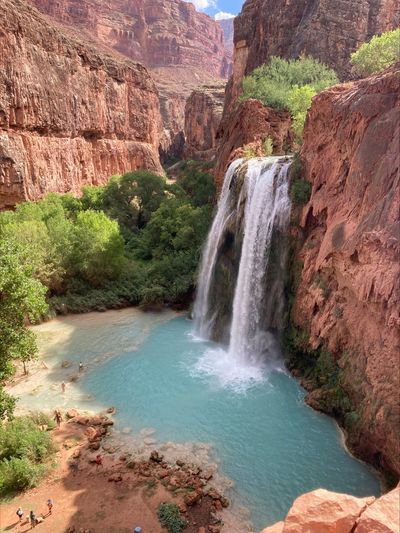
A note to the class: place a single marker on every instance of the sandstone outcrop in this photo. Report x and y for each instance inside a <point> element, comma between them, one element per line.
<point>69,115</point>
<point>203,115</point>
<point>326,30</point>
<point>248,128</point>
<point>322,511</point>
<point>183,48</point>
<point>348,297</point>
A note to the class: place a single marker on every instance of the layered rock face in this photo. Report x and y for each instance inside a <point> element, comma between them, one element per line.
<point>203,115</point>
<point>321,511</point>
<point>248,128</point>
<point>326,30</point>
<point>69,116</point>
<point>348,298</point>
<point>182,47</point>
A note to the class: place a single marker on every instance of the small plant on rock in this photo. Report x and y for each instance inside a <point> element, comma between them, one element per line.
<point>170,517</point>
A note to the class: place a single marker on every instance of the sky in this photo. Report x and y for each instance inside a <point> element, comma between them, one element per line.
<point>219,9</point>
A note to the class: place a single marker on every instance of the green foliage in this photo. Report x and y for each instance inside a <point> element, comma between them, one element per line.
<point>98,247</point>
<point>300,192</point>
<point>249,153</point>
<point>21,296</point>
<point>170,517</point>
<point>24,449</point>
<point>268,147</point>
<point>379,53</point>
<point>299,102</point>
<point>132,198</point>
<point>196,183</point>
<point>289,84</point>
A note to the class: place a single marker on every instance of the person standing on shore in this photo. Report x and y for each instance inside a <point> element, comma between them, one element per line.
<point>20,513</point>
<point>57,417</point>
<point>32,518</point>
<point>81,367</point>
<point>63,387</point>
<point>50,505</point>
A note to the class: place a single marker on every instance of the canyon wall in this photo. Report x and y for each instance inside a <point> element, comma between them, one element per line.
<point>183,48</point>
<point>348,295</point>
<point>246,130</point>
<point>326,30</point>
<point>69,116</point>
<point>203,115</point>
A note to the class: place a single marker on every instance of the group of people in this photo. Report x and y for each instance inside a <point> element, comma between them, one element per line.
<point>32,518</point>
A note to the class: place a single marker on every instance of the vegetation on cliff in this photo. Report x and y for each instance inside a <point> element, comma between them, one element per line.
<point>379,53</point>
<point>289,84</point>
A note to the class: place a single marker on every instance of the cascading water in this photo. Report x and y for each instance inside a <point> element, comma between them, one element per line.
<point>255,206</point>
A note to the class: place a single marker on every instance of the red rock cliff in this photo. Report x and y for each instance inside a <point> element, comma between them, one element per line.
<point>349,293</point>
<point>69,115</point>
<point>203,114</point>
<point>326,30</point>
<point>182,47</point>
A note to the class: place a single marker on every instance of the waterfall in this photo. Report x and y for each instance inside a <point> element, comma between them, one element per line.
<point>254,209</point>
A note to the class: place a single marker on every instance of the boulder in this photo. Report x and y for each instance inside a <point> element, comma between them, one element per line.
<point>322,511</point>
<point>71,413</point>
<point>156,457</point>
<point>191,498</point>
<point>116,478</point>
<point>383,516</point>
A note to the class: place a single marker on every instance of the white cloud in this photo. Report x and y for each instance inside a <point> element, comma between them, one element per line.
<point>202,4</point>
<point>223,16</point>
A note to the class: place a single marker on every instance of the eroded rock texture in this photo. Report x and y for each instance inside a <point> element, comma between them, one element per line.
<point>203,115</point>
<point>183,48</point>
<point>69,115</point>
<point>349,294</point>
<point>248,128</point>
<point>322,511</point>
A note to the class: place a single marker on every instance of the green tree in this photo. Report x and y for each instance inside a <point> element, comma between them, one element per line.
<point>289,84</point>
<point>379,53</point>
<point>21,297</point>
<point>133,197</point>
<point>98,247</point>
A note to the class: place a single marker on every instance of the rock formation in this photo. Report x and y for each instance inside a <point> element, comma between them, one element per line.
<point>321,511</point>
<point>348,297</point>
<point>323,29</point>
<point>203,114</point>
<point>69,115</point>
<point>182,47</point>
<point>248,128</point>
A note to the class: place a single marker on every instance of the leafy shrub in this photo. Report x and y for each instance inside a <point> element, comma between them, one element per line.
<point>249,152</point>
<point>300,192</point>
<point>18,474</point>
<point>379,53</point>
<point>24,450</point>
<point>170,517</point>
<point>289,84</point>
<point>268,147</point>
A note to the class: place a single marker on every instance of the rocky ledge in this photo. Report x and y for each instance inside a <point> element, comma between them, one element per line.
<point>322,511</point>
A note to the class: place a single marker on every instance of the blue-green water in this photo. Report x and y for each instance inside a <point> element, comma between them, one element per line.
<point>272,445</point>
<point>266,439</point>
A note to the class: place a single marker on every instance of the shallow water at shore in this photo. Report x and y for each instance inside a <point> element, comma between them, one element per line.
<point>264,439</point>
